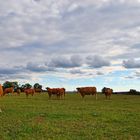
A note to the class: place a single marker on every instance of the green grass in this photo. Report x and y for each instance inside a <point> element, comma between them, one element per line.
<point>38,118</point>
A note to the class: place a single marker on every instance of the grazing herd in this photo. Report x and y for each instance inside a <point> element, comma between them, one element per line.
<point>58,92</point>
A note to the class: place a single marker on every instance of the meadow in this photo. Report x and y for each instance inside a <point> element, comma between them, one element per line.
<point>73,118</point>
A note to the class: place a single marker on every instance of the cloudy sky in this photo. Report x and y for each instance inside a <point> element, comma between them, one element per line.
<point>70,43</point>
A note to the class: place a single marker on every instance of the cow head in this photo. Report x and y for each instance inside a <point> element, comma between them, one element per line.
<point>78,89</point>
<point>47,88</point>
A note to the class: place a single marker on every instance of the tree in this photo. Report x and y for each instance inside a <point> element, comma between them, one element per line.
<point>7,84</point>
<point>37,86</point>
<point>15,85</point>
<point>22,87</point>
<point>27,85</point>
<point>133,91</point>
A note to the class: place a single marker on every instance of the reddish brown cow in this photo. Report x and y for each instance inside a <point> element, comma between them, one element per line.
<point>87,91</point>
<point>59,92</point>
<point>29,91</point>
<point>18,91</point>
<point>107,92</point>
<point>8,90</point>
<point>1,90</point>
<point>52,91</point>
<point>38,90</point>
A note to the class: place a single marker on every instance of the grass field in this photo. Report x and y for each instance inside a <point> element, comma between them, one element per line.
<point>74,118</point>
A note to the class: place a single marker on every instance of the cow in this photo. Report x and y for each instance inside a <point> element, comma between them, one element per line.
<point>38,90</point>
<point>18,91</point>
<point>107,92</point>
<point>1,90</point>
<point>8,90</point>
<point>87,91</point>
<point>29,91</point>
<point>59,92</point>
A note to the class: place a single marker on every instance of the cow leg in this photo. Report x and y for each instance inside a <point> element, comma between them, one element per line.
<point>83,96</point>
<point>49,96</point>
<point>26,95</point>
<point>58,97</point>
<point>95,96</point>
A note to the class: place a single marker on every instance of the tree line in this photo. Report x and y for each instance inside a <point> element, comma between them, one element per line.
<point>22,87</point>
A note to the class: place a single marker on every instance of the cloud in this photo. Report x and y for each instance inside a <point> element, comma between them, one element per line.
<point>100,73</point>
<point>15,77</point>
<point>131,63</point>
<point>5,71</point>
<point>77,71</point>
<point>68,38</point>
<point>64,62</point>
<point>36,67</point>
<point>97,61</point>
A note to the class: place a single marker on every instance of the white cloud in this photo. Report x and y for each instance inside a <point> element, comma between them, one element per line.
<point>48,31</point>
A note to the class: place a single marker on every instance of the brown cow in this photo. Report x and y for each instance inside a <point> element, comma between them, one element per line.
<point>18,91</point>
<point>8,90</point>
<point>107,92</point>
<point>29,91</point>
<point>59,92</point>
<point>87,91</point>
<point>1,90</point>
<point>38,90</point>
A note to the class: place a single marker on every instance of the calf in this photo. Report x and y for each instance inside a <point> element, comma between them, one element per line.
<point>107,92</point>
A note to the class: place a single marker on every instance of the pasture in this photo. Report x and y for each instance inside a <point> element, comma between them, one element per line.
<point>74,118</point>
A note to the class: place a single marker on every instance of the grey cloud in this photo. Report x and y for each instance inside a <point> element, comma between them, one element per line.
<point>100,73</point>
<point>15,76</point>
<point>97,61</point>
<point>16,72</point>
<point>10,71</point>
<point>76,71</point>
<point>64,62</point>
<point>137,74</point>
<point>131,63</point>
<point>129,77</point>
<point>34,67</point>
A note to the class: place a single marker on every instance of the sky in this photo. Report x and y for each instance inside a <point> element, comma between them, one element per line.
<point>71,43</point>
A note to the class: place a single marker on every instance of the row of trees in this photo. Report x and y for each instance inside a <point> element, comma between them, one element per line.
<point>16,86</point>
